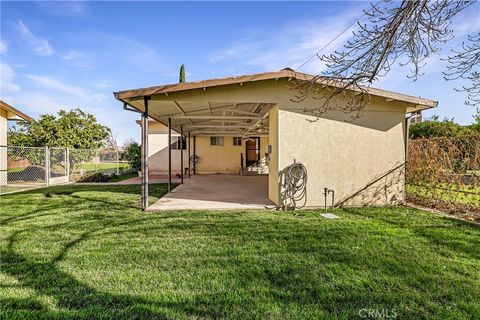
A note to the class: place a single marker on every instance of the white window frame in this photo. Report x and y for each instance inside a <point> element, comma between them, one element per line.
<point>217,141</point>
<point>237,141</point>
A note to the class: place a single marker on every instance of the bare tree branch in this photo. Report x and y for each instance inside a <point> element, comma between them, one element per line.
<point>405,32</point>
<point>465,64</point>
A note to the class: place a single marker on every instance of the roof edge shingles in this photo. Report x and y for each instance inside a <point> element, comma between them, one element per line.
<point>284,73</point>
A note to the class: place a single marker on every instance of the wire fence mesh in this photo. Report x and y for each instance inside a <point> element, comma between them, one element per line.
<point>444,173</point>
<point>22,168</point>
<point>29,167</point>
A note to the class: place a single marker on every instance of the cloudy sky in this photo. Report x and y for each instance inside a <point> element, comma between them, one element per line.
<point>63,55</point>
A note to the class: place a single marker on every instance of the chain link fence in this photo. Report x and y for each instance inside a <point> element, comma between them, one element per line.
<point>444,173</point>
<point>22,168</point>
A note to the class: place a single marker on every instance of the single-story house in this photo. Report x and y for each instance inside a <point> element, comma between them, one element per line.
<point>258,124</point>
<point>7,113</point>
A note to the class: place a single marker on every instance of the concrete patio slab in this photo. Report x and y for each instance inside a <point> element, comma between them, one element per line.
<point>218,192</point>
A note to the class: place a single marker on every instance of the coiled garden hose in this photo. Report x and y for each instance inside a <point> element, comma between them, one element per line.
<point>194,159</point>
<point>295,186</point>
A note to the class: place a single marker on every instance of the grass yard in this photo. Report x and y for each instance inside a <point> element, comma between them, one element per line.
<point>84,252</point>
<point>461,194</point>
<point>8,189</point>
<point>102,166</point>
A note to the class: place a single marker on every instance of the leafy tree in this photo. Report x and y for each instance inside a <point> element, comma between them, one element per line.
<point>476,123</point>
<point>68,129</point>
<point>72,129</point>
<point>446,128</point>
<point>182,74</point>
<point>132,154</point>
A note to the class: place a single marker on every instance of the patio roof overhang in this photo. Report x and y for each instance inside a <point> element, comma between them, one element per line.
<point>13,113</point>
<point>238,115</point>
<point>212,118</point>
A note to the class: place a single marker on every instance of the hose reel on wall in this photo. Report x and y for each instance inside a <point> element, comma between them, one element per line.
<point>194,159</point>
<point>295,186</point>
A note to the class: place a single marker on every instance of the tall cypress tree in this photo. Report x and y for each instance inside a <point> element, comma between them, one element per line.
<point>182,74</point>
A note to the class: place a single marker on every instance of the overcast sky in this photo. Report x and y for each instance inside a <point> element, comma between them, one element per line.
<point>62,55</point>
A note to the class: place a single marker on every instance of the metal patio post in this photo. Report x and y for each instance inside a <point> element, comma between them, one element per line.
<point>181,154</point>
<point>194,155</point>
<point>144,151</point>
<point>169,155</point>
<point>189,162</point>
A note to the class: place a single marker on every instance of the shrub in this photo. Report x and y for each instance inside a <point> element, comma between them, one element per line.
<point>96,177</point>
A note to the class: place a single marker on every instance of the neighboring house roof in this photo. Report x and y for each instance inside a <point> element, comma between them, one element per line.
<point>13,113</point>
<point>284,73</point>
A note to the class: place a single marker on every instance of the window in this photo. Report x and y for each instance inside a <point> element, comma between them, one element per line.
<point>216,141</point>
<point>176,143</point>
<point>237,141</point>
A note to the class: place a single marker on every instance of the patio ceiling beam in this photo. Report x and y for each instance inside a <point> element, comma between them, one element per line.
<point>228,134</point>
<point>247,113</point>
<point>218,117</point>
<point>259,123</point>
<point>179,107</point>
<point>217,126</point>
<point>203,110</point>
<point>218,133</point>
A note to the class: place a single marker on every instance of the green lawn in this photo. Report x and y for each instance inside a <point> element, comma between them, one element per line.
<point>8,189</point>
<point>90,166</point>
<point>461,200</point>
<point>88,252</point>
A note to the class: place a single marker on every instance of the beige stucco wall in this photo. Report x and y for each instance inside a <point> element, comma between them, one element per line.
<point>3,150</point>
<point>362,161</point>
<point>158,150</point>
<point>273,190</point>
<point>222,159</point>
<point>212,159</point>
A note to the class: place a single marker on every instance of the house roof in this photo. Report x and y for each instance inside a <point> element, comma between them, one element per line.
<point>13,113</point>
<point>231,112</point>
<point>284,73</point>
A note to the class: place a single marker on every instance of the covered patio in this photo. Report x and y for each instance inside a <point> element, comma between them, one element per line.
<point>198,110</point>
<point>218,192</point>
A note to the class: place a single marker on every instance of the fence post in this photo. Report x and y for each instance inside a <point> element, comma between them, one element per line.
<point>97,160</point>
<point>67,163</point>
<point>47,166</point>
<point>118,169</point>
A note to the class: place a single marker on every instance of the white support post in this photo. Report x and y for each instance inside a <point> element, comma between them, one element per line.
<point>67,163</point>
<point>97,160</point>
<point>118,162</point>
<point>47,166</point>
